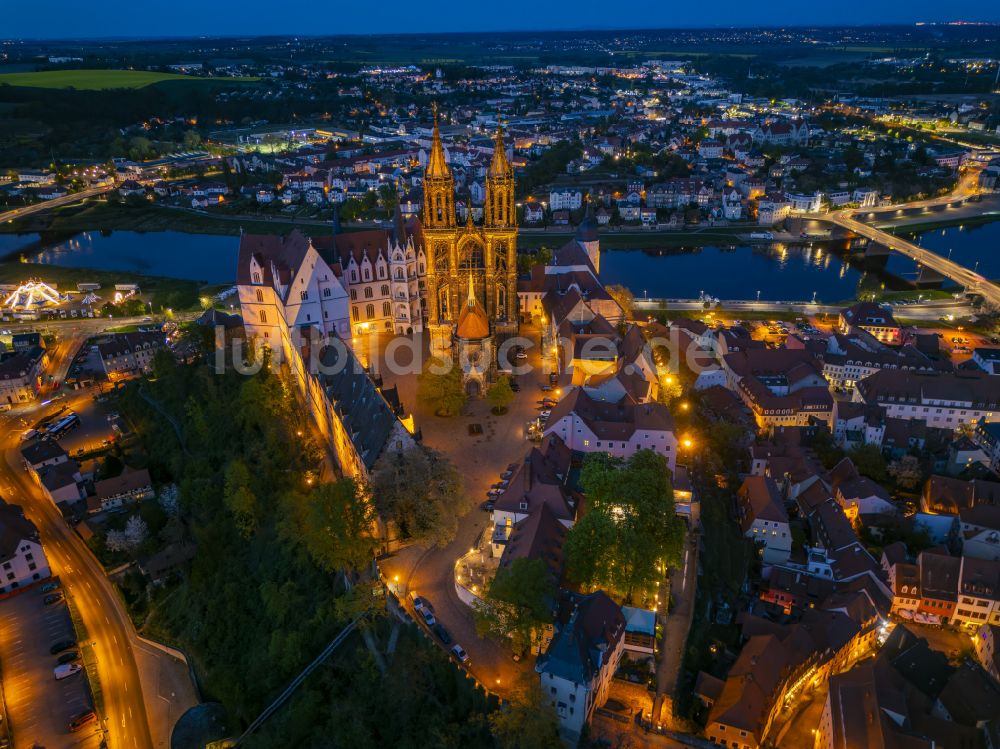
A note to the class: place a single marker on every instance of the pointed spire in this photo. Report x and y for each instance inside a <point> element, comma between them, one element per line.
<point>469,222</point>
<point>471,301</point>
<point>398,226</point>
<point>437,164</point>
<point>499,166</point>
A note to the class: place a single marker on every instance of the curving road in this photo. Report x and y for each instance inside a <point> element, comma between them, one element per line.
<point>45,205</point>
<point>100,608</point>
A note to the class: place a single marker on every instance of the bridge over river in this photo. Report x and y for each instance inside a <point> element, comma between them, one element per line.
<point>970,280</point>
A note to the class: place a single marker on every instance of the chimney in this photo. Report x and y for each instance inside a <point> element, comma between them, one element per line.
<point>527,473</point>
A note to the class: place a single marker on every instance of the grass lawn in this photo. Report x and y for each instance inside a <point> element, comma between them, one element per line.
<point>94,80</point>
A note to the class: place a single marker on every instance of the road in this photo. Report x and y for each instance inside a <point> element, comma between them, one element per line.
<point>101,610</point>
<point>930,310</point>
<point>973,282</point>
<point>45,205</point>
<point>966,189</point>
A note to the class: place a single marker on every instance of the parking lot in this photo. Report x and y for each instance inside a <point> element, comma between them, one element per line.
<point>40,708</point>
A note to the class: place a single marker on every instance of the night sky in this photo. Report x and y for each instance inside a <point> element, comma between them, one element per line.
<point>147,18</point>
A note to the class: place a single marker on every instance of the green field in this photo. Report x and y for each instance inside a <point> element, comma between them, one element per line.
<point>95,80</point>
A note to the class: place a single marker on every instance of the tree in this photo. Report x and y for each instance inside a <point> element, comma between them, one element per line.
<point>630,531</point>
<point>191,140</point>
<point>518,603</point>
<point>869,462</point>
<point>336,525</point>
<point>239,497</point>
<point>906,471</point>
<point>140,148</point>
<point>440,387</point>
<point>624,298</point>
<point>500,395</point>
<point>527,721</point>
<point>136,532</point>
<point>420,492</point>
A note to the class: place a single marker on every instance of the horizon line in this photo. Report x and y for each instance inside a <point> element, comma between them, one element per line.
<point>957,23</point>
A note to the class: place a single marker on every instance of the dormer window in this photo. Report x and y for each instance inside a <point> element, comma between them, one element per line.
<point>256,277</point>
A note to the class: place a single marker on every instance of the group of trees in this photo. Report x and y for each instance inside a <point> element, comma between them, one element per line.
<point>264,593</point>
<point>419,493</point>
<point>518,603</point>
<point>630,532</point>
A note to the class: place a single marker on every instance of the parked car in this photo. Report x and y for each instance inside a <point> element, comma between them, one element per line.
<point>488,505</point>
<point>62,645</point>
<point>418,602</point>
<point>442,633</point>
<point>82,720</point>
<point>69,657</point>
<point>545,414</point>
<point>459,652</point>
<point>52,598</point>
<point>65,670</point>
<point>50,586</point>
<point>429,619</point>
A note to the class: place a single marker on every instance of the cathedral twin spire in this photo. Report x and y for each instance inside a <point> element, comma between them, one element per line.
<point>439,185</point>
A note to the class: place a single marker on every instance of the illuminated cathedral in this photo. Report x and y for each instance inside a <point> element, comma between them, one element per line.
<point>472,269</point>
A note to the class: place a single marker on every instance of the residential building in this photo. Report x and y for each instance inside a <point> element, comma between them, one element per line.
<point>22,559</point>
<point>620,428</point>
<point>763,518</point>
<point>986,641</point>
<point>113,493</point>
<point>560,200</point>
<point>21,375</point>
<point>577,668</point>
<point>129,354</point>
<point>944,400</point>
<point>783,387</point>
<point>873,319</point>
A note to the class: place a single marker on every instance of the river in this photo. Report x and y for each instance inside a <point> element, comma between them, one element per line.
<point>798,273</point>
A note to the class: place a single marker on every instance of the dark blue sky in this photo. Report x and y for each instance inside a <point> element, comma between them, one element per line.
<point>102,18</point>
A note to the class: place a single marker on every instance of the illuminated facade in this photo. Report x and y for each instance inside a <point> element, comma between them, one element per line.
<point>470,261</point>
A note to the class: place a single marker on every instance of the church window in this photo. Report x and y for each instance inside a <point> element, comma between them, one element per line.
<point>381,271</point>
<point>385,289</point>
<point>368,292</point>
<point>304,295</point>
<point>386,309</point>
<point>256,277</point>
<point>354,276</point>
<point>327,292</point>
<point>399,274</point>
<point>366,273</point>
<point>354,313</point>
<point>263,316</point>
<point>472,257</point>
<point>370,311</point>
<point>354,295</point>
<point>260,295</point>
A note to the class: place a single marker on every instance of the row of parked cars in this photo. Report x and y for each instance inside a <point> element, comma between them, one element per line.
<point>498,488</point>
<point>67,657</point>
<point>426,612</point>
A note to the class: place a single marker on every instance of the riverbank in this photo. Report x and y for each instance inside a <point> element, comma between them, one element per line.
<point>102,216</point>
<point>926,226</point>
<point>640,240</point>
